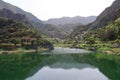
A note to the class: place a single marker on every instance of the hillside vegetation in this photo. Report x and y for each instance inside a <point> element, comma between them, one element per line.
<point>14,35</point>
<point>105,39</point>
<point>102,35</point>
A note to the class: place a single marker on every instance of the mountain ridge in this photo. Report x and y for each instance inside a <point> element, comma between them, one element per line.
<point>68,24</point>
<point>5,13</point>
<point>110,14</point>
<point>68,20</point>
<point>16,9</point>
<point>32,20</point>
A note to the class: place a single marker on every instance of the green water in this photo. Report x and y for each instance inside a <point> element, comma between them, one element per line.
<point>67,66</point>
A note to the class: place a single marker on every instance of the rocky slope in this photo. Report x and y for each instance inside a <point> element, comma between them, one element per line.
<point>108,15</point>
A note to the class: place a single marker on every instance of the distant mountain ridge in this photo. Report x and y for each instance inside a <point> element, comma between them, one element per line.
<point>12,12</point>
<point>71,20</point>
<point>68,24</point>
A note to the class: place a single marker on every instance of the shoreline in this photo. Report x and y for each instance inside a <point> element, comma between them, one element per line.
<point>22,51</point>
<point>114,51</point>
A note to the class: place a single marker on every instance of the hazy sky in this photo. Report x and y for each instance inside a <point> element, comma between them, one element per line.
<point>45,9</point>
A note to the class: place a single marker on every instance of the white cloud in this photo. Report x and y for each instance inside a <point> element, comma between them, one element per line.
<point>45,9</point>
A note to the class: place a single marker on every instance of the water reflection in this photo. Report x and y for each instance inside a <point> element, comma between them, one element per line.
<point>60,50</point>
<point>64,67</point>
<point>48,73</point>
<point>59,67</point>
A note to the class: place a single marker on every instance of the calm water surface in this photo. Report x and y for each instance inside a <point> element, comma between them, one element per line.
<point>59,64</point>
<point>60,50</point>
<point>66,68</point>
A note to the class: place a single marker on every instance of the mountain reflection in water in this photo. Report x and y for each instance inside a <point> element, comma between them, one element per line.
<point>31,66</point>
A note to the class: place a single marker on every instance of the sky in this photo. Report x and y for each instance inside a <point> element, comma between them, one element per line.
<point>46,9</point>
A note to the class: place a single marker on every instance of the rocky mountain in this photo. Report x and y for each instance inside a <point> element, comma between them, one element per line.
<point>15,9</point>
<point>60,28</point>
<point>46,29</point>
<point>5,13</point>
<point>71,20</point>
<point>12,12</point>
<point>108,15</point>
<point>68,24</point>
